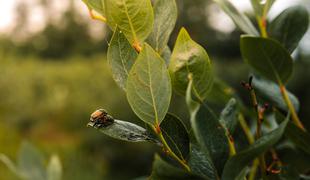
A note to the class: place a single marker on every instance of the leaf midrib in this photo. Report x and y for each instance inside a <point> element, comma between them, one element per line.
<point>130,22</point>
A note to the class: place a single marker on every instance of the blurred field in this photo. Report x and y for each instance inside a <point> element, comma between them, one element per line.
<point>48,103</point>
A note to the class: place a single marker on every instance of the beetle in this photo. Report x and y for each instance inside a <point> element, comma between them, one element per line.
<point>100,118</point>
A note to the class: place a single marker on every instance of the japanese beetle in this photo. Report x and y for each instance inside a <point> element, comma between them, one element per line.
<point>100,118</point>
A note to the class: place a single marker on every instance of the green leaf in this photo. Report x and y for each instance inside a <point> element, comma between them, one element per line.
<point>125,131</point>
<point>188,57</point>
<point>133,17</point>
<point>201,163</point>
<point>267,57</point>
<point>10,165</point>
<point>176,135</point>
<point>121,56</point>
<point>238,162</point>
<point>54,168</point>
<point>229,116</point>
<point>270,92</point>
<point>261,7</point>
<point>166,54</point>
<point>242,21</point>
<point>220,93</point>
<point>149,87</point>
<point>207,130</point>
<point>164,171</point>
<point>31,162</point>
<point>290,26</point>
<point>299,137</point>
<point>165,13</point>
<point>96,5</point>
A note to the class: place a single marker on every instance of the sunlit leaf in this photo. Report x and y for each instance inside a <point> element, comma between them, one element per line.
<point>267,57</point>
<point>121,56</point>
<point>133,17</point>
<point>149,87</point>
<point>96,5</point>
<point>188,57</point>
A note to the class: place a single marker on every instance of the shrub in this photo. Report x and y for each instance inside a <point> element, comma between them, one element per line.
<point>212,148</point>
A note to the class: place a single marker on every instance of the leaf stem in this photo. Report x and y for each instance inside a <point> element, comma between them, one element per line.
<point>251,140</point>
<point>291,107</point>
<point>262,26</point>
<point>96,16</point>
<point>232,149</point>
<point>168,149</point>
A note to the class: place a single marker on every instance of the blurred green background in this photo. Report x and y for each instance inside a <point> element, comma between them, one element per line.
<point>54,74</point>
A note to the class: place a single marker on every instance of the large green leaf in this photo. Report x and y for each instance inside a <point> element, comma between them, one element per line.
<point>30,162</point>
<point>96,5</point>
<point>133,17</point>
<point>165,13</point>
<point>121,56</point>
<point>229,116</point>
<point>242,21</point>
<point>188,57</point>
<point>290,26</point>
<point>270,92</point>
<point>267,57</point>
<point>201,163</point>
<point>261,7</point>
<point>176,135</point>
<point>164,171</point>
<point>125,131</point>
<point>238,162</point>
<point>207,130</point>
<point>299,137</point>
<point>149,87</point>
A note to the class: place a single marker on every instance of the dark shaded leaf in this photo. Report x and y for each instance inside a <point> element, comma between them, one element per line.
<point>164,171</point>
<point>270,92</point>
<point>229,116</point>
<point>201,163</point>
<point>267,57</point>
<point>125,131</point>
<point>290,26</point>
<point>149,87</point>
<point>299,137</point>
<point>238,162</point>
<point>208,131</point>
<point>176,135</point>
<point>121,56</point>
